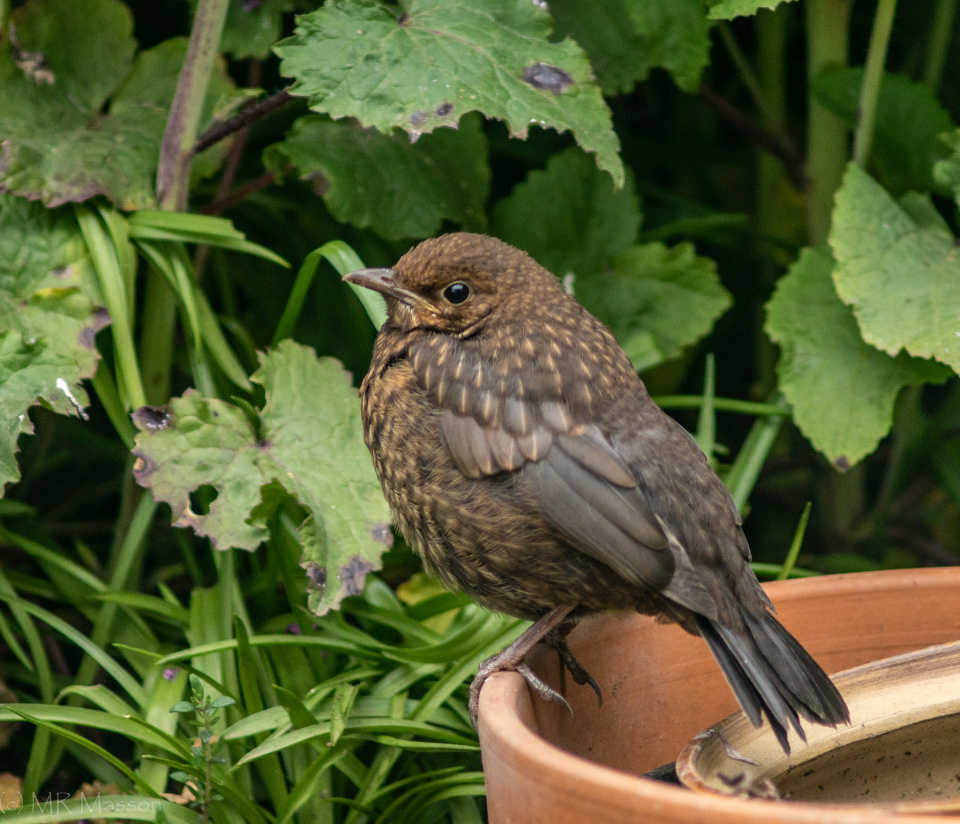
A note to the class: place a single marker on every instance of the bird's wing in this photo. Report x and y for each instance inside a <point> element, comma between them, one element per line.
<point>582,487</point>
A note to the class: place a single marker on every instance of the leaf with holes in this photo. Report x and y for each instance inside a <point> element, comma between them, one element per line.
<point>47,324</point>
<point>398,188</point>
<point>842,389</point>
<point>80,114</point>
<point>308,438</point>
<point>428,64</point>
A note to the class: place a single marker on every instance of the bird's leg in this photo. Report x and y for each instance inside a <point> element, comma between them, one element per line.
<point>513,658</point>
<point>557,638</point>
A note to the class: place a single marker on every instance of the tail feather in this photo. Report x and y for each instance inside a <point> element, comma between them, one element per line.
<point>771,674</point>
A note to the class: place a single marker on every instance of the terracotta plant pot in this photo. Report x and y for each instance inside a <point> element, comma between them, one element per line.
<point>899,750</point>
<point>661,687</point>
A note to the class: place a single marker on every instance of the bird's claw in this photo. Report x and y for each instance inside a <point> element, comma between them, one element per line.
<point>496,664</point>
<point>577,671</point>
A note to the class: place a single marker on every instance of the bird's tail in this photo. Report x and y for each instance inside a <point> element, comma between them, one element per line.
<point>770,672</point>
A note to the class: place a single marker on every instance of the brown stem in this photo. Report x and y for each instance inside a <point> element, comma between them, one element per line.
<point>238,194</point>
<point>253,112</point>
<point>229,171</point>
<point>785,152</point>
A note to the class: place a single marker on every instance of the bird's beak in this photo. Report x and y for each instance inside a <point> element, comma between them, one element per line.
<point>380,280</point>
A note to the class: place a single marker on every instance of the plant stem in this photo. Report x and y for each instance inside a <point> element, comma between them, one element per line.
<point>706,421</point>
<point>156,342</point>
<point>742,476</point>
<point>771,62</point>
<point>173,182</point>
<point>250,114</point>
<point>941,33</point>
<point>828,27</point>
<point>872,78</point>
<point>747,77</point>
<point>176,150</point>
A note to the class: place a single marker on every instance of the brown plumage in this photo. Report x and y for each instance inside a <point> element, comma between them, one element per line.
<point>524,460</point>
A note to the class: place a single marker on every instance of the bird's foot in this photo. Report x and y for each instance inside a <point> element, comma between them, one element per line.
<point>513,658</point>
<point>558,641</point>
<point>492,665</point>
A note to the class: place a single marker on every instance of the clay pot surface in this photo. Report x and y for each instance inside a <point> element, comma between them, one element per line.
<point>661,687</point>
<point>900,748</point>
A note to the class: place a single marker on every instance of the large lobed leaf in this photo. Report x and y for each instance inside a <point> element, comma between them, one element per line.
<point>626,39</point>
<point>657,300</point>
<point>569,217</point>
<point>398,188</point>
<point>427,64</point>
<point>80,115</point>
<point>897,267</point>
<point>308,439</point>
<point>47,325</point>
<point>842,389</point>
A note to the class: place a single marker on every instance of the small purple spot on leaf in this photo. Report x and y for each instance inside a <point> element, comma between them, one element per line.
<point>151,418</point>
<point>444,109</point>
<point>318,182</point>
<point>381,533</point>
<point>317,575</point>
<point>353,575</point>
<point>143,468</point>
<point>547,77</point>
<point>418,118</point>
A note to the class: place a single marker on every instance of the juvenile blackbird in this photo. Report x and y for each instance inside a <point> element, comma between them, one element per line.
<point>525,462</point>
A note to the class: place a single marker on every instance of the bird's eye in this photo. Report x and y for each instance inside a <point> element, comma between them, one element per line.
<point>456,293</point>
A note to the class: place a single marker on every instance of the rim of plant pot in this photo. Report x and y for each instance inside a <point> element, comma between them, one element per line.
<point>901,742</point>
<point>543,768</point>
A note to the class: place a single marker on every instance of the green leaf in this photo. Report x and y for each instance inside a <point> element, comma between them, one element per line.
<point>946,172</point>
<point>569,217</point>
<point>182,706</point>
<point>626,39</point>
<point>657,300</point>
<point>677,37</point>
<point>309,441</point>
<point>728,9</point>
<point>45,810</point>
<point>842,389</point>
<point>343,700</point>
<point>252,28</point>
<point>429,64</point>
<point>62,140</point>
<point>47,325</point>
<point>897,268</point>
<point>398,188</point>
<point>908,123</point>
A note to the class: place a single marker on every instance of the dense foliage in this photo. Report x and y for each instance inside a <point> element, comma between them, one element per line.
<point>203,609</point>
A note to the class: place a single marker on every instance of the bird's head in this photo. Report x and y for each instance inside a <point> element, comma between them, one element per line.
<point>455,283</point>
